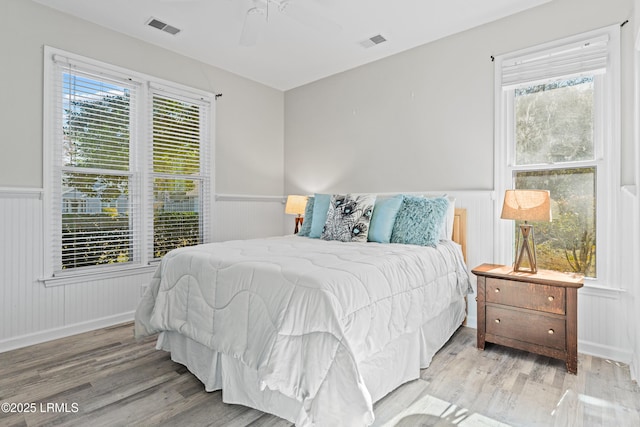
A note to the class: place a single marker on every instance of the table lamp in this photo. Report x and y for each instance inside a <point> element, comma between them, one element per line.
<point>295,206</point>
<point>526,205</point>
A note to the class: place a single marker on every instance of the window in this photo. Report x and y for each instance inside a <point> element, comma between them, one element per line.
<point>557,130</point>
<point>96,173</point>
<point>178,173</point>
<point>127,168</point>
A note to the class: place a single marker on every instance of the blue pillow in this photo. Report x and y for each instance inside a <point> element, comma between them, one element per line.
<point>384,216</point>
<point>308,217</point>
<point>420,220</point>
<point>319,217</point>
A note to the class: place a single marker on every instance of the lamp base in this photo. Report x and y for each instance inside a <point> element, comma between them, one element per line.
<point>528,248</point>
<point>299,221</point>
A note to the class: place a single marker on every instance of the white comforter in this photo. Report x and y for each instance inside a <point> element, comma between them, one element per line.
<point>303,312</point>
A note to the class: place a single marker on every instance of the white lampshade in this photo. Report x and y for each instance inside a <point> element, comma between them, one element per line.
<point>527,205</point>
<point>295,205</point>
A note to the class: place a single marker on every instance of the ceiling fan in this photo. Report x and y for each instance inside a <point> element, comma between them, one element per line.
<point>258,12</point>
<point>257,16</point>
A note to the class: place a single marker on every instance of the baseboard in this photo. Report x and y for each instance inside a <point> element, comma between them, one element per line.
<point>605,352</point>
<point>592,349</point>
<point>65,331</point>
<point>471,322</point>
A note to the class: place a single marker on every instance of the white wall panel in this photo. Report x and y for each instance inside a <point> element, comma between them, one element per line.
<point>101,299</point>
<point>630,274</point>
<point>601,311</point>
<point>480,219</point>
<point>601,323</point>
<point>31,312</point>
<point>26,306</point>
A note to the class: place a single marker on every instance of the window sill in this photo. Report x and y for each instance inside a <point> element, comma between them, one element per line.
<point>592,288</point>
<point>75,278</point>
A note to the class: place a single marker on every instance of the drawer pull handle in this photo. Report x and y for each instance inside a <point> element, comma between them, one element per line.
<point>551,332</point>
<point>497,320</point>
<point>550,298</point>
<point>497,290</point>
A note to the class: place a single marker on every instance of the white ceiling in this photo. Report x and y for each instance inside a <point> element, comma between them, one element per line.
<point>309,40</point>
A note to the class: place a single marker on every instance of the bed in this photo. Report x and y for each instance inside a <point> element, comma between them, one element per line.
<point>314,331</point>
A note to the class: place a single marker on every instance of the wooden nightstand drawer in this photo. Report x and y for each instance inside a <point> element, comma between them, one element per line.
<point>532,312</point>
<point>550,299</point>
<point>541,330</point>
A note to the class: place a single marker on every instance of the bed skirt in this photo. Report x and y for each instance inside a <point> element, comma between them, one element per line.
<point>399,362</point>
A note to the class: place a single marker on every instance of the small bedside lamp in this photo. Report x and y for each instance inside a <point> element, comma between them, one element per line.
<point>526,205</point>
<point>295,206</point>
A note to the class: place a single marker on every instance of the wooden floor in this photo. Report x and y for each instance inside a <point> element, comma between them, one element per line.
<point>105,378</point>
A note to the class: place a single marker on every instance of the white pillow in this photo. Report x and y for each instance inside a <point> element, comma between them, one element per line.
<point>447,229</point>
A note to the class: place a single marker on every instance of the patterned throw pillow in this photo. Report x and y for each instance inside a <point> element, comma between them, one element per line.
<point>420,220</point>
<point>349,217</point>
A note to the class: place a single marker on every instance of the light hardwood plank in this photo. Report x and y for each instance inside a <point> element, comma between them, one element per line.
<point>115,381</point>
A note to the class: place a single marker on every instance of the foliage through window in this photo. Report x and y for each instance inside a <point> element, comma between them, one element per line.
<point>554,125</point>
<point>123,193</point>
<point>96,172</point>
<point>176,174</point>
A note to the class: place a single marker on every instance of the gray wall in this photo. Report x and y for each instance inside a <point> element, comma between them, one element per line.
<point>423,119</point>
<point>250,126</point>
<point>250,116</point>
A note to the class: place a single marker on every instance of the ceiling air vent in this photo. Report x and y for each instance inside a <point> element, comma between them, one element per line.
<point>152,22</point>
<point>372,41</point>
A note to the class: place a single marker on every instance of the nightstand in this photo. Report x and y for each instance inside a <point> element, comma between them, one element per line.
<point>532,312</point>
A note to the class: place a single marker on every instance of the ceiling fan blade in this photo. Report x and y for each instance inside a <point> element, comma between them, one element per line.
<point>308,17</point>
<point>254,22</point>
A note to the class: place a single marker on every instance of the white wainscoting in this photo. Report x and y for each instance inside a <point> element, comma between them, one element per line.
<point>32,313</point>
<point>602,312</point>
<point>29,311</point>
<point>607,318</point>
<point>480,221</point>
<point>602,323</point>
<point>630,274</point>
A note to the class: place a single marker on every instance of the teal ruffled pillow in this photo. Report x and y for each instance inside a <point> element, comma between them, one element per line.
<point>308,217</point>
<point>319,216</point>
<point>420,220</point>
<point>384,216</point>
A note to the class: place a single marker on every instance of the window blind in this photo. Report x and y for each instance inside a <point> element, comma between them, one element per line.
<point>127,166</point>
<point>94,201</point>
<point>179,171</point>
<point>581,57</point>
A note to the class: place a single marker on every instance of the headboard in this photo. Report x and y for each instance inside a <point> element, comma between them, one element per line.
<point>460,230</point>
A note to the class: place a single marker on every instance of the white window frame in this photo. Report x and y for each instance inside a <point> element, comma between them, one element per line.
<point>205,170</point>
<point>140,152</point>
<point>607,151</point>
